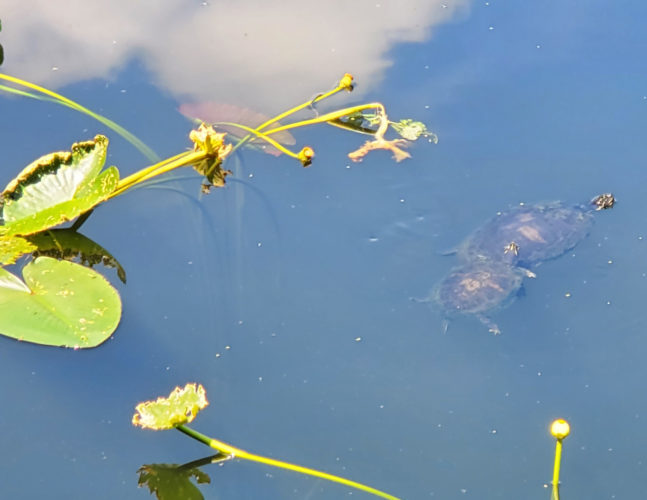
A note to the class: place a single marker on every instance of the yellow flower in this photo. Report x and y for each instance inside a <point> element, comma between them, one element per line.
<point>207,140</point>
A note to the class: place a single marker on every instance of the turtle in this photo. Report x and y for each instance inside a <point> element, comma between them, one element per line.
<point>530,234</point>
<point>495,259</point>
<point>479,288</point>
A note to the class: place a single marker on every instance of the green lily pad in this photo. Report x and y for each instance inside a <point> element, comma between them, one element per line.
<point>60,303</point>
<point>181,407</point>
<point>11,248</point>
<point>58,187</point>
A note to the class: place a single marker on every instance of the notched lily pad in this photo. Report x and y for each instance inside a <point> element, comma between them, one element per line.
<point>58,187</point>
<point>59,303</point>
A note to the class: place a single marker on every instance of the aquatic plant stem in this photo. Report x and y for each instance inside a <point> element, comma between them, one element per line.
<point>59,99</point>
<point>556,467</point>
<point>346,83</point>
<point>177,161</point>
<point>189,157</point>
<point>242,454</point>
<point>333,116</point>
<point>260,135</point>
<point>560,428</point>
<point>558,460</point>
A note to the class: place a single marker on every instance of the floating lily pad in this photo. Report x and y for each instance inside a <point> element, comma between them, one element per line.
<point>60,303</point>
<point>58,187</point>
<point>11,248</point>
<point>181,407</point>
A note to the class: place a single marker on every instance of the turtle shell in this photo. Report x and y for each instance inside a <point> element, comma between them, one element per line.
<point>479,287</point>
<point>528,234</point>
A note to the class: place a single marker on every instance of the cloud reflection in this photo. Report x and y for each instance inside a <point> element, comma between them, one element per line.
<point>256,53</point>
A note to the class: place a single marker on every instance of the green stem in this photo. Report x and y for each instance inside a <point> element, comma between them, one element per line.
<point>260,135</point>
<point>328,117</point>
<point>238,453</point>
<point>177,161</point>
<point>344,84</point>
<point>556,467</point>
<point>58,98</point>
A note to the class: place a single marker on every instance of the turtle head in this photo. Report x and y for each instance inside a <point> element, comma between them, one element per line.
<point>603,201</point>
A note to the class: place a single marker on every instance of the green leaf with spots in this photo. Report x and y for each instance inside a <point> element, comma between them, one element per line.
<point>11,248</point>
<point>181,407</point>
<point>60,303</point>
<point>70,245</point>
<point>58,187</point>
<point>99,190</point>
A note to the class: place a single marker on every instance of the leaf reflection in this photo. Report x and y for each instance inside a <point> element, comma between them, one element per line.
<point>172,481</point>
<point>67,244</point>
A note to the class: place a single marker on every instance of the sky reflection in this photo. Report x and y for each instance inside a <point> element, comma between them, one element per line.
<point>282,46</point>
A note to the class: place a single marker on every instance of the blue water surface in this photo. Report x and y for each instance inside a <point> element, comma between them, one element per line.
<point>287,293</point>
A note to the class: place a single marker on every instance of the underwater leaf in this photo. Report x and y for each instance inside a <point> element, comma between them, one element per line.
<point>59,304</point>
<point>73,246</point>
<point>181,407</point>
<point>170,481</point>
<point>212,170</point>
<point>12,247</point>
<point>412,130</point>
<point>226,116</point>
<point>95,191</point>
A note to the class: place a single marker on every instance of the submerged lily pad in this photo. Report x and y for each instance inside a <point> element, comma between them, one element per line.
<point>60,303</point>
<point>58,187</point>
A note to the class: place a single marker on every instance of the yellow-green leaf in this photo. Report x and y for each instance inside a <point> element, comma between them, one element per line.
<point>12,247</point>
<point>58,187</point>
<point>60,303</point>
<point>181,407</point>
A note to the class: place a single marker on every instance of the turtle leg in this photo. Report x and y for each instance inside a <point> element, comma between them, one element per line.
<point>421,300</point>
<point>492,327</point>
<point>527,272</point>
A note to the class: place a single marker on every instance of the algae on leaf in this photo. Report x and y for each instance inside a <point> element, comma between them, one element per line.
<point>60,303</point>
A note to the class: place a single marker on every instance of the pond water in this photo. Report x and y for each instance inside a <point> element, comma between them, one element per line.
<point>287,294</point>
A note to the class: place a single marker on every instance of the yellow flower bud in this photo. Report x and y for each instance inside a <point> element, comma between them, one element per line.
<point>560,428</point>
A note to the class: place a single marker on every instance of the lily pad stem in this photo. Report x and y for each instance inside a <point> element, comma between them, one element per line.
<point>346,83</point>
<point>238,453</point>
<point>328,117</point>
